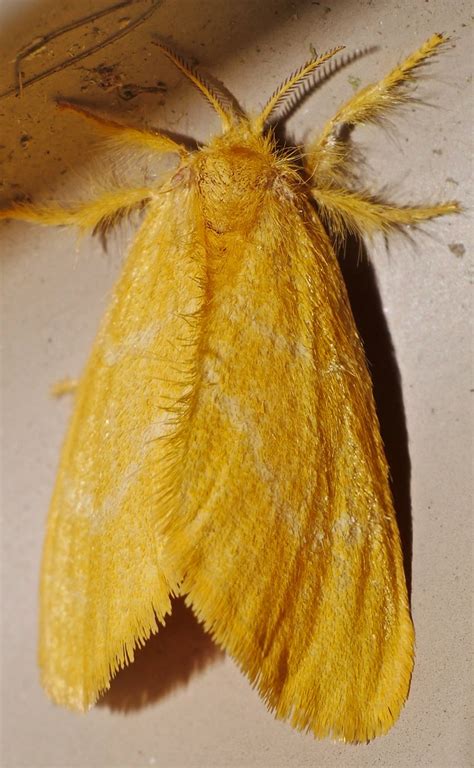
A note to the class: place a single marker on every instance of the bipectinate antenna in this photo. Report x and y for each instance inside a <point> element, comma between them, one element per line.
<point>221,102</point>
<point>287,88</point>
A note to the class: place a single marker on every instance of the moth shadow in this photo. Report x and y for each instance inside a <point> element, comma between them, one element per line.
<point>167,662</point>
<point>364,296</point>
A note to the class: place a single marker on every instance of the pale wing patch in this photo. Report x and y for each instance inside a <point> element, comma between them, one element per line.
<point>243,422</point>
<point>281,343</point>
<point>136,342</point>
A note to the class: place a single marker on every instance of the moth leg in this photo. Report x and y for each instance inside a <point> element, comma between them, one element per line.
<point>362,214</point>
<point>329,154</point>
<point>99,214</point>
<point>126,134</point>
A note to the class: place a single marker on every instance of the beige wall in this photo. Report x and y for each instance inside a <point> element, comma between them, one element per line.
<point>183,703</point>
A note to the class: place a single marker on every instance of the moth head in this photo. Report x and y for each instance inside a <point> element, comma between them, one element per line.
<point>238,165</point>
<point>229,172</point>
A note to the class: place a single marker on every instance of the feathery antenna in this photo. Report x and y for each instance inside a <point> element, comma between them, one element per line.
<point>217,102</point>
<point>290,84</point>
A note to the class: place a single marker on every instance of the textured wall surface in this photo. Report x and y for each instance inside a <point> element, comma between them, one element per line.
<point>183,703</point>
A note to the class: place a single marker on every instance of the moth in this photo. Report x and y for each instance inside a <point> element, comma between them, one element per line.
<point>224,443</point>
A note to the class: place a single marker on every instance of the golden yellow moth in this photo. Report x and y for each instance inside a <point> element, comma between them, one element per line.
<point>224,443</point>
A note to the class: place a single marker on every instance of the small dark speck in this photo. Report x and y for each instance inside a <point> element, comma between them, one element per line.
<point>25,140</point>
<point>50,340</point>
<point>458,249</point>
<point>327,9</point>
<point>437,151</point>
<point>452,181</point>
<point>354,82</point>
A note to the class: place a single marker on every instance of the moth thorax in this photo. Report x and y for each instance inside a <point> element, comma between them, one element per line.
<point>233,183</point>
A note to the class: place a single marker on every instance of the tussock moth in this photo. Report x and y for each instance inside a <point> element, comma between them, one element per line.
<point>224,443</point>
